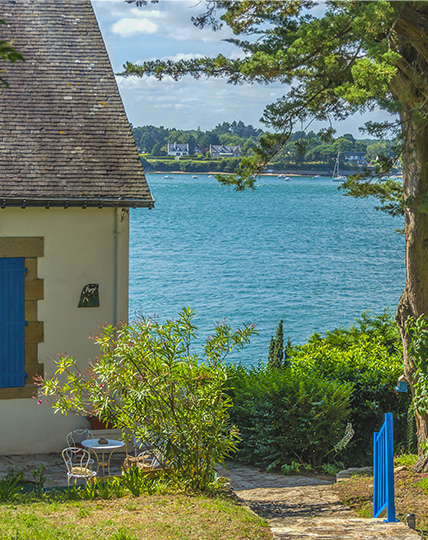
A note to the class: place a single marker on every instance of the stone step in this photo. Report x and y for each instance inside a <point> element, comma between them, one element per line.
<point>342,529</point>
<point>306,508</point>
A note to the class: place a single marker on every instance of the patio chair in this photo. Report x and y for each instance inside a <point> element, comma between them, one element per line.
<point>78,463</point>
<point>75,438</point>
<point>150,454</point>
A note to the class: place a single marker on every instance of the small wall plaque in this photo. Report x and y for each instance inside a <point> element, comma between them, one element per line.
<point>89,297</point>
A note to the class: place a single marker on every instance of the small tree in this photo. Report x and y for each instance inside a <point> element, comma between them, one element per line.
<point>278,354</point>
<point>149,382</point>
<point>276,347</point>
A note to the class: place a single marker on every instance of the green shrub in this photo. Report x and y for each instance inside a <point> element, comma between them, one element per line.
<point>286,414</point>
<point>300,410</point>
<point>136,482</point>
<point>9,489</point>
<point>406,460</point>
<point>149,382</point>
<point>372,362</point>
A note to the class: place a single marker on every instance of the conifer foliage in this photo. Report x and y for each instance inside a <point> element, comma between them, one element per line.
<point>354,56</point>
<point>276,347</point>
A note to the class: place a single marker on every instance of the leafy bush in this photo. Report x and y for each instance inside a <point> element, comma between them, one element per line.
<point>405,460</point>
<point>286,414</point>
<point>137,482</point>
<point>299,411</point>
<point>9,488</point>
<point>369,356</point>
<point>148,382</point>
<point>39,478</point>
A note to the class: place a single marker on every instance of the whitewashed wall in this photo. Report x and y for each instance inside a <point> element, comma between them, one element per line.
<point>79,248</point>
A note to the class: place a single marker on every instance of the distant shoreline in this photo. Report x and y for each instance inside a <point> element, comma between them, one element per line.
<point>166,173</point>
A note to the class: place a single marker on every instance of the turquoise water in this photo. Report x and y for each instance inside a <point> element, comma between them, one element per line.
<point>296,250</point>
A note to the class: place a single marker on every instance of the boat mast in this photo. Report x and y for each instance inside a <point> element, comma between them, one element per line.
<point>336,172</point>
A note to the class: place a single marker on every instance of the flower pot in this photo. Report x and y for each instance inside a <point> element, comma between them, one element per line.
<point>96,423</point>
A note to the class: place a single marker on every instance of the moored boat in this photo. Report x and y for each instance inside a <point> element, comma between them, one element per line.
<point>336,176</point>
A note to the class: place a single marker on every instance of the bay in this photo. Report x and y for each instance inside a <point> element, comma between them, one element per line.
<point>297,250</point>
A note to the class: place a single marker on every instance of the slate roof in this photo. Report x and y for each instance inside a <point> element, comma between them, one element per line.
<point>64,136</point>
<point>224,149</point>
<point>172,147</point>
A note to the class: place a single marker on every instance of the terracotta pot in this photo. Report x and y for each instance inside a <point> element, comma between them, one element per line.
<point>96,423</point>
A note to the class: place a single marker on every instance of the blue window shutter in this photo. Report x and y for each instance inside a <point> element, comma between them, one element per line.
<point>12,322</point>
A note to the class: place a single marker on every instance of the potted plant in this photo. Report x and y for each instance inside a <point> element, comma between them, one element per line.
<point>97,423</point>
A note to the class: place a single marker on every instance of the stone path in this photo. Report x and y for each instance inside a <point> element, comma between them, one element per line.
<point>55,471</point>
<point>296,507</point>
<point>305,508</point>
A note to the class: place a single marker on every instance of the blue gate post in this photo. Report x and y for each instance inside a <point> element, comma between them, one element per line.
<point>383,471</point>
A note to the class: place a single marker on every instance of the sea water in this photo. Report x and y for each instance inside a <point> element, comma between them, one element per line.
<point>297,250</point>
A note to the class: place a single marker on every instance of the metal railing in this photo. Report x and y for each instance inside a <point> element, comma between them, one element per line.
<point>383,471</point>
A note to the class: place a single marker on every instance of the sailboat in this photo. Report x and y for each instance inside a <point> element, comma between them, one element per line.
<point>336,176</point>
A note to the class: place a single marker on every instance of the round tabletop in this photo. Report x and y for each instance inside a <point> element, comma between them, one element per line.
<point>95,445</point>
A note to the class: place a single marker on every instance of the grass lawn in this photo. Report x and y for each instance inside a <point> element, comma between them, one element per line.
<point>157,517</point>
<point>411,495</point>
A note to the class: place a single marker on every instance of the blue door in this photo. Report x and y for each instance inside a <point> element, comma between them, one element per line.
<point>12,322</point>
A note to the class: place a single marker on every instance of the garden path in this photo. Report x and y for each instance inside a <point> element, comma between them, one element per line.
<point>296,507</point>
<point>55,472</point>
<point>303,508</point>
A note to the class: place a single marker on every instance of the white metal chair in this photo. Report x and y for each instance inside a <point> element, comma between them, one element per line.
<point>148,452</point>
<point>75,438</point>
<point>78,462</point>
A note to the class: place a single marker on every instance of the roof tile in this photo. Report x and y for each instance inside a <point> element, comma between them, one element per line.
<point>64,134</point>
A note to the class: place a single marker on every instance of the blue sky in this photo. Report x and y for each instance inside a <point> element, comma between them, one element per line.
<point>164,30</point>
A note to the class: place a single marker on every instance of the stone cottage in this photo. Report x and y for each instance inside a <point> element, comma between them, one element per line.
<point>70,171</point>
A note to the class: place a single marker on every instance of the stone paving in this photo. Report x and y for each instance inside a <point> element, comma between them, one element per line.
<point>56,472</point>
<point>296,507</point>
<point>306,508</point>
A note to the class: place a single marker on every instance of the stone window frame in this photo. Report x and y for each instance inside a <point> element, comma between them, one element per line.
<point>31,249</point>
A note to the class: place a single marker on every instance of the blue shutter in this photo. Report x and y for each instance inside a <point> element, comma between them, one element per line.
<point>12,322</point>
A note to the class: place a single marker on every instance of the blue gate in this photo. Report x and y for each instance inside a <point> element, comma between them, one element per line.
<point>383,471</point>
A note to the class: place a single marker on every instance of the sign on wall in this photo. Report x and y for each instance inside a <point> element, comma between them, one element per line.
<point>89,297</point>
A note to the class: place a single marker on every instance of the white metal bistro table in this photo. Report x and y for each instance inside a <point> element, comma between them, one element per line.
<point>106,450</point>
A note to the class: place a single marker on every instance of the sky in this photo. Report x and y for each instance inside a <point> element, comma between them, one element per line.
<point>164,30</point>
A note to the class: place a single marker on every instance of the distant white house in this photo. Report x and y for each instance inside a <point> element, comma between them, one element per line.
<point>224,150</point>
<point>178,149</point>
<point>358,158</point>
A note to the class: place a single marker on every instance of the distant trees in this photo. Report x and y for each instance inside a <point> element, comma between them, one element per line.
<point>303,150</point>
<point>239,129</point>
<point>147,137</point>
<point>205,139</point>
<point>378,149</point>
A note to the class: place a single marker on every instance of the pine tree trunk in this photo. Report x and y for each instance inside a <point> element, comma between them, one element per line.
<point>414,300</point>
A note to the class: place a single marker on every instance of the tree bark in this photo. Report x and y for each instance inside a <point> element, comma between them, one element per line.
<point>414,300</point>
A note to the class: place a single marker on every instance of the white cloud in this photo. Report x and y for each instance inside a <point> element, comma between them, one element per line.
<point>172,57</point>
<point>188,104</point>
<point>149,33</point>
<point>170,20</point>
<point>183,56</point>
<point>134,27</point>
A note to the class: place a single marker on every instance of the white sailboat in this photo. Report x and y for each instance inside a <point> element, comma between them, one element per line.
<point>336,176</point>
